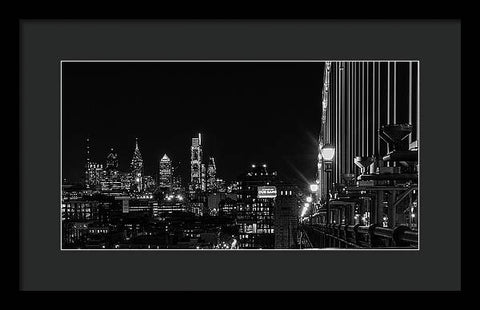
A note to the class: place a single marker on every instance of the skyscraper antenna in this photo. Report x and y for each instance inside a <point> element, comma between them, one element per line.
<point>88,150</point>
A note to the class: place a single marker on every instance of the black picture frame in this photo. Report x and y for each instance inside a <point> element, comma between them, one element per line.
<point>43,43</point>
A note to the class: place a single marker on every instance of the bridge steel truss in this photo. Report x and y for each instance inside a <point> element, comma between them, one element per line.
<point>376,207</point>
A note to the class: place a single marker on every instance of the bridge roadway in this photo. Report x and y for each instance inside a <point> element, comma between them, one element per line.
<point>356,236</point>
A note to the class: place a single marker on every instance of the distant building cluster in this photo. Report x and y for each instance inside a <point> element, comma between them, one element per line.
<point>109,180</point>
<point>117,209</point>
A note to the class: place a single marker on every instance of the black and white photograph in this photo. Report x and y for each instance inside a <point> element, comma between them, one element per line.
<point>241,155</point>
<point>225,155</point>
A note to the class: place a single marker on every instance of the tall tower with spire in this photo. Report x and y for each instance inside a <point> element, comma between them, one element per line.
<point>87,164</point>
<point>136,167</point>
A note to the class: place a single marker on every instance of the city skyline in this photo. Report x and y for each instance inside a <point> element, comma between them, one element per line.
<point>112,160</point>
<point>340,172</point>
<point>106,93</point>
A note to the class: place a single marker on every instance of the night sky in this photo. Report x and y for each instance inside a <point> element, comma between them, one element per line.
<point>247,113</point>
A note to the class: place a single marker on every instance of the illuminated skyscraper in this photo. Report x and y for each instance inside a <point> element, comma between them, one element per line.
<point>256,205</point>
<point>111,181</point>
<point>165,172</point>
<point>136,167</point>
<point>112,161</point>
<point>211,175</point>
<point>197,168</point>
<point>87,163</point>
<point>176,177</point>
<point>94,172</point>
<point>203,177</point>
<point>285,218</point>
<point>111,166</point>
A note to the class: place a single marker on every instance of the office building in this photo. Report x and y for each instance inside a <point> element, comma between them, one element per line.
<point>286,216</point>
<point>256,205</point>
<point>136,168</point>
<point>211,175</point>
<point>94,175</point>
<point>197,180</point>
<point>165,172</point>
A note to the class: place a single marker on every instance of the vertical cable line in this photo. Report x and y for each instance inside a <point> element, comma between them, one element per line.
<point>363,109</point>
<point>352,118</point>
<point>347,162</point>
<point>418,103</point>
<point>374,127</point>
<point>394,92</point>
<point>394,97</point>
<point>367,129</point>
<point>388,105</point>
<point>342,121</point>
<point>353,128</point>
<point>350,138</point>
<point>388,94</point>
<point>337,105</point>
<point>378,108</point>
<point>410,97</point>
<point>354,112</point>
<point>360,116</point>
<point>358,128</point>
<point>329,110</point>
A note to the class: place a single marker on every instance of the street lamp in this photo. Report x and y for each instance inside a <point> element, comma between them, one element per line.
<point>313,198</point>
<point>328,153</point>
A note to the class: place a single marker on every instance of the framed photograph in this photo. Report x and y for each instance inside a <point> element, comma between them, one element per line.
<point>199,155</point>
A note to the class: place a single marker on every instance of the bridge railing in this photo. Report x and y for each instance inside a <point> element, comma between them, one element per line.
<point>356,236</point>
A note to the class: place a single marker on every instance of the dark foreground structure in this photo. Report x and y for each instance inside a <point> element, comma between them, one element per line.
<point>366,192</point>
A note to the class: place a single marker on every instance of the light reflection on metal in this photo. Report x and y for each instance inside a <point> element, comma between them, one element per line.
<point>323,128</point>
